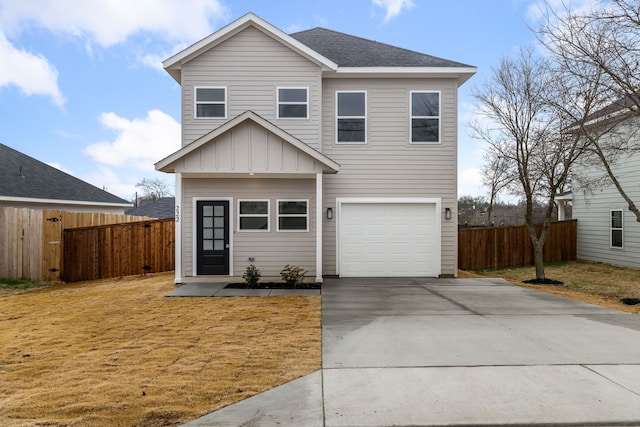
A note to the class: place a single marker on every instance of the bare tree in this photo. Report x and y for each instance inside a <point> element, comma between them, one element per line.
<point>496,176</point>
<point>598,50</point>
<point>153,188</point>
<point>524,129</point>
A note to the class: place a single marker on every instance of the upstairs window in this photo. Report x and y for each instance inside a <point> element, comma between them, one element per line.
<point>293,103</point>
<point>253,215</point>
<point>616,228</point>
<point>293,215</point>
<point>211,102</point>
<point>425,117</point>
<point>351,126</point>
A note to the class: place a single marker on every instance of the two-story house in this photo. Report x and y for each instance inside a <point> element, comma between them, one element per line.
<point>318,149</point>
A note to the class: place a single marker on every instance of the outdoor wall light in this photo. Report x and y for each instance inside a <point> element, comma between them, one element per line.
<point>329,213</point>
<point>447,213</point>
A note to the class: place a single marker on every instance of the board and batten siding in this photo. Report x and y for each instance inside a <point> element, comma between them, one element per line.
<point>593,208</point>
<point>388,165</point>
<point>248,147</point>
<point>272,250</point>
<point>252,65</point>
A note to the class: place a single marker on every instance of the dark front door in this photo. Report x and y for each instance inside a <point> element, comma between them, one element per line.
<point>213,237</point>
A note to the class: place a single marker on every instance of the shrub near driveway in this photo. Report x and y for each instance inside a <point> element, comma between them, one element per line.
<point>117,352</point>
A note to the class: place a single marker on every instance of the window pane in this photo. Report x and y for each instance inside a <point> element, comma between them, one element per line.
<point>351,104</point>
<point>292,95</point>
<point>207,233</point>
<point>293,223</point>
<point>218,233</point>
<point>218,245</point>
<point>351,130</point>
<point>292,207</point>
<point>207,222</point>
<point>253,223</point>
<point>257,207</point>
<point>218,222</point>
<point>207,245</point>
<point>616,219</point>
<point>425,130</point>
<point>210,110</point>
<point>207,210</point>
<point>616,238</point>
<point>292,110</point>
<point>219,211</point>
<point>425,104</point>
<point>210,95</point>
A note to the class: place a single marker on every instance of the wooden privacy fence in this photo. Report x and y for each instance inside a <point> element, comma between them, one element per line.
<point>500,247</point>
<point>118,250</point>
<point>31,244</point>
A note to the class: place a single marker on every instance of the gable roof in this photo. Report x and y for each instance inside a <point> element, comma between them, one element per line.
<point>167,164</point>
<point>336,53</point>
<point>620,106</point>
<point>351,51</point>
<point>173,65</point>
<point>23,177</point>
<point>165,207</point>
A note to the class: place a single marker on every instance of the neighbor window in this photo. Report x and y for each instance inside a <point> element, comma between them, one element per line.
<point>293,103</point>
<point>293,215</point>
<point>425,117</point>
<point>253,215</point>
<point>351,117</point>
<point>616,228</point>
<point>211,102</point>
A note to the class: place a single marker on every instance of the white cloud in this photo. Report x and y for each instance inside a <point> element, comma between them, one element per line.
<point>110,181</point>
<point>60,167</point>
<point>393,8</point>
<point>139,143</point>
<point>32,74</point>
<point>539,8</point>
<point>111,22</point>
<point>470,182</point>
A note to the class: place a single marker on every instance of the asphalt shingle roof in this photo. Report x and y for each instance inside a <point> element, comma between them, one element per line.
<point>161,209</point>
<point>351,51</point>
<point>24,176</point>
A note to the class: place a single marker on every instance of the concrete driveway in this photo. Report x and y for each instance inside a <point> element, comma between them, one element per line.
<point>432,352</point>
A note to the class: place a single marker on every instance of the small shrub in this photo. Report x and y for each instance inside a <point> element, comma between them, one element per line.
<point>293,275</point>
<point>252,275</point>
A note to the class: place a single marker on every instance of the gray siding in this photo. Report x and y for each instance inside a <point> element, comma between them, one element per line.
<point>271,250</point>
<point>247,147</point>
<point>388,165</point>
<point>592,209</point>
<point>252,65</point>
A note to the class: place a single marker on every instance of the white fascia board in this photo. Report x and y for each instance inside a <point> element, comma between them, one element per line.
<point>173,64</point>
<point>461,73</point>
<point>64,202</point>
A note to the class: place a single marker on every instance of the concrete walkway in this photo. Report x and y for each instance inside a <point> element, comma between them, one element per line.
<point>435,352</point>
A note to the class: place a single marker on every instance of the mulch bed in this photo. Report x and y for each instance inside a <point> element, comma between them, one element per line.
<point>543,282</point>
<point>273,285</point>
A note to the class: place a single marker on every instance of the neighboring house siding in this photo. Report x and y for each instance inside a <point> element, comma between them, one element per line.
<point>593,212</point>
<point>252,65</point>
<point>388,165</point>
<point>272,250</point>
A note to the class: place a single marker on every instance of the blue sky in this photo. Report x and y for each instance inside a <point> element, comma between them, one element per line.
<point>82,86</point>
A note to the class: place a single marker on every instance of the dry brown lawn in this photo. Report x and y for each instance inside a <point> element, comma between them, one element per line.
<point>591,282</point>
<point>118,353</point>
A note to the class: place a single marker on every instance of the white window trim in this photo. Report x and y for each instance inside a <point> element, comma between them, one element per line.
<point>240,215</point>
<point>195,102</point>
<point>411,117</point>
<point>611,229</point>
<point>278,215</point>
<point>365,117</point>
<point>291,103</point>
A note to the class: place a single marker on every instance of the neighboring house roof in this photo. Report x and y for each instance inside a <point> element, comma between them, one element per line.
<point>23,178</point>
<point>350,51</point>
<point>619,106</point>
<point>162,208</point>
<point>334,52</point>
<point>167,164</point>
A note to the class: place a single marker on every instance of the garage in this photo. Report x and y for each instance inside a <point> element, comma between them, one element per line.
<point>388,239</point>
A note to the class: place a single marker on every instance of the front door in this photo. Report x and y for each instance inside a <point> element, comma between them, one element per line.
<point>213,237</point>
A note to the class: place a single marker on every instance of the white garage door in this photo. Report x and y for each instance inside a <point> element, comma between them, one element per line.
<point>388,239</point>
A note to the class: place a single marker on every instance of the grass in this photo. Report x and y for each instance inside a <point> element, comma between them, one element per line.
<point>13,286</point>
<point>118,353</point>
<point>591,282</point>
